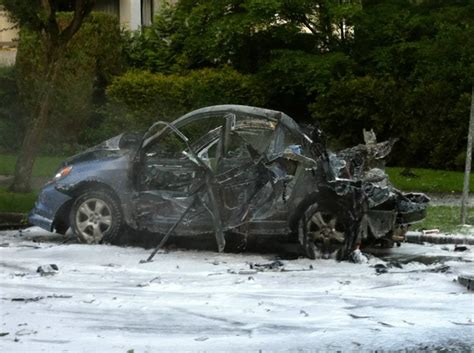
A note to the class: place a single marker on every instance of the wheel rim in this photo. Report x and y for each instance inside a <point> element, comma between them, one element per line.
<point>93,220</point>
<point>325,233</point>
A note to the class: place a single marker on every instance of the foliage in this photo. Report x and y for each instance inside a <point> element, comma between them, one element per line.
<point>414,77</point>
<point>404,68</point>
<point>139,98</point>
<point>89,62</point>
<point>241,33</point>
<point>293,78</point>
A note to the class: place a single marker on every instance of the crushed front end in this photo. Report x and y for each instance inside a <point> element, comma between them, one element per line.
<point>384,213</point>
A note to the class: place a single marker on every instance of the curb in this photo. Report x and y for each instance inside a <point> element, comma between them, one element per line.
<point>419,237</point>
<point>9,220</point>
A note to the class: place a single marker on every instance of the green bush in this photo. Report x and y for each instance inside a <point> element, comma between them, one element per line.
<point>139,98</point>
<point>430,120</point>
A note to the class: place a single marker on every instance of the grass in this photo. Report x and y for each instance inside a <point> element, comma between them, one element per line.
<point>16,202</point>
<point>44,165</point>
<point>429,180</point>
<point>445,218</point>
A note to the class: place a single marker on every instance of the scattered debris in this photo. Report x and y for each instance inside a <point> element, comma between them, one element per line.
<point>469,323</point>
<point>467,281</point>
<point>111,265</point>
<point>247,272</point>
<point>358,257</point>
<point>384,324</point>
<point>304,313</point>
<point>380,268</point>
<point>27,300</point>
<point>276,265</point>
<point>48,270</point>
<point>146,284</point>
<point>430,231</point>
<point>25,332</point>
<point>35,299</point>
<point>354,316</point>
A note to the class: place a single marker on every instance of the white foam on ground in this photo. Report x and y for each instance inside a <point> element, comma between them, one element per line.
<point>196,304</point>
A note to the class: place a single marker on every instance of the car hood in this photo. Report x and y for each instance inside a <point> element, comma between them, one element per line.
<point>115,146</point>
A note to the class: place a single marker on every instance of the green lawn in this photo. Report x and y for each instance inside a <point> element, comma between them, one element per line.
<point>44,165</point>
<point>429,180</point>
<point>15,202</point>
<point>444,218</point>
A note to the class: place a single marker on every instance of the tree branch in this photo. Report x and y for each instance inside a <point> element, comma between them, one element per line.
<point>51,25</point>
<point>82,8</point>
<point>309,25</point>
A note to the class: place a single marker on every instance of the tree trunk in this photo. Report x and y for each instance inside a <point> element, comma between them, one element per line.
<point>34,133</point>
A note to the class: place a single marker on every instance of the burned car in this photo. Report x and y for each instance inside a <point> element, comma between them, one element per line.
<point>231,168</point>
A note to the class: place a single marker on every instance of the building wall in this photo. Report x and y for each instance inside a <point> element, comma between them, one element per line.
<point>7,34</point>
<point>8,38</point>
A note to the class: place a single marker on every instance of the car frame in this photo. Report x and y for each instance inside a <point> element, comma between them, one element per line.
<point>231,168</point>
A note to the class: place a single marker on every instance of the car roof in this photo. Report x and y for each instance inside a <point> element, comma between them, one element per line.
<point>229,108</point>
<point>216,110</point>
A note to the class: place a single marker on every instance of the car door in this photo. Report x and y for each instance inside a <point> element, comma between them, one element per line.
<point>169,181</point>
<point>241,178</point>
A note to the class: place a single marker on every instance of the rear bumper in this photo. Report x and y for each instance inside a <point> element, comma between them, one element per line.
<point>46,207</point>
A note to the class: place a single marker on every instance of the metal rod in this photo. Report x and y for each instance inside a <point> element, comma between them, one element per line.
<point>170,231</point>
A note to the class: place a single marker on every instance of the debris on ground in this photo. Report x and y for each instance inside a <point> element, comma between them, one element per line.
<point>430,231</point>
<point>467,281</point>
<point>146,284</point>
<point>276,265</point>
<point>48,270</point>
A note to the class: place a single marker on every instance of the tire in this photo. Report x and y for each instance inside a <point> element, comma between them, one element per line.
<point>323,226</point>
<point>96,217</point>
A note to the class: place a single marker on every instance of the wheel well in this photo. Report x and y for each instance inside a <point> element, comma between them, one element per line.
<point>61,220</point>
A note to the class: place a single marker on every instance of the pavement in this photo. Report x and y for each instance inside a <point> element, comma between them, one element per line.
<point>58,296</point>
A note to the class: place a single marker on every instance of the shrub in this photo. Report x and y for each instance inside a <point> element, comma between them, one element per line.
<point>139,98</point>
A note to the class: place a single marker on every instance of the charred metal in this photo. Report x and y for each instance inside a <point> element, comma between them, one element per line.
<point>236,169</point>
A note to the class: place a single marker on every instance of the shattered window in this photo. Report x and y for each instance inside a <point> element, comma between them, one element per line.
<point>169,145</point>
<point>195,130</point>
<point>259,139</point>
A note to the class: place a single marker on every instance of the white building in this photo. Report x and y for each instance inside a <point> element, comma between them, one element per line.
<point>133,14</point>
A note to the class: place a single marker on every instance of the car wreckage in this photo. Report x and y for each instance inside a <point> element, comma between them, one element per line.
<point>231,168</point>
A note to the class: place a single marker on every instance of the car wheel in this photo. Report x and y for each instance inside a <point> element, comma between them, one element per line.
<point>323,226</point>
<point>96,217</point>
<point>321,233</point>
